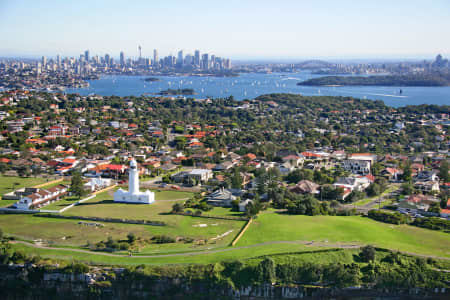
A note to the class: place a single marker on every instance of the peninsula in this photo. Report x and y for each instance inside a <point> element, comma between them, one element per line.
<point>177,92</point>
<point>423,79</point>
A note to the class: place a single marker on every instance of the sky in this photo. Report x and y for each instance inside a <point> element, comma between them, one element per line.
<point>238,29</point>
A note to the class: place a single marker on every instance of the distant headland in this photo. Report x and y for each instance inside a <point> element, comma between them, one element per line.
<point>423,79</point>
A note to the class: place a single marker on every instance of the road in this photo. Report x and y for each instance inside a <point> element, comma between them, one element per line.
<point>372,204</point>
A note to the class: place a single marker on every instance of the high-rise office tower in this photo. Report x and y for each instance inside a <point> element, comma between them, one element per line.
<point>197,58</point>
<point>86,55</point>
<point>155,58</point>
<point>180,59</point>
<point>44,61</point>
<point>122,59</point>
<point>205,61</point>
<point>213,61</point>
<point>188,60</point>
<point>107,59</point>
<point>140,54</point>
<point>58,60</point>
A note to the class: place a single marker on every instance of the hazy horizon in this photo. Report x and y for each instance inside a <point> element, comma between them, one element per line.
<point>241,30</point>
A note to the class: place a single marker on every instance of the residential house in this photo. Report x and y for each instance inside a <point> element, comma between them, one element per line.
<point>353,183</point>
<point>427,186</point>
<point>361,167</point>
<point>41,197</point>
<point>392,174</point>
<point>305,187</point>
<point>200,175</point>
<point>221,197</point>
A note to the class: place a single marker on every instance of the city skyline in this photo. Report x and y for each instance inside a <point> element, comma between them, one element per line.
<point>249,30</point>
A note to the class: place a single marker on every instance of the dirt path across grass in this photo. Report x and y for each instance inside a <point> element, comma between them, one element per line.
<point>306,243</point>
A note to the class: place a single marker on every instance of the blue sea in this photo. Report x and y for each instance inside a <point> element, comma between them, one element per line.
<point>251,85</point>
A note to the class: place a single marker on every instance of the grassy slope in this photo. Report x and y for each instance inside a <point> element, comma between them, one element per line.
<point>6,182</point>
<point>275,227</point>
<point>203,258</point>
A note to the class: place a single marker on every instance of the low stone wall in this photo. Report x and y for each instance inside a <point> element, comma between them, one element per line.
<point>238,237</point>
<point>212,217</point>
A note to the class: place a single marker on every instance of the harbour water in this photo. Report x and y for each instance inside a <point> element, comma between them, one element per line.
<point>251,85</point>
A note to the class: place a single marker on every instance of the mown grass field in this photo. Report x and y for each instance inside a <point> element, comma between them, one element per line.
<point>70,233</point>
<point>7,183</point>
<point>103,206</point>
<point>359,230</point>
<point>66,201</point>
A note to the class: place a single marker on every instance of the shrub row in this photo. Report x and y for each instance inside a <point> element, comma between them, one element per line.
<point>388,217</point>
<point>111,220</point>
<point>433,223</point>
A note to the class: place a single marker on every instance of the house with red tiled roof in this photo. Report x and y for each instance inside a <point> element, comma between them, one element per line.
<point>311,155</point>
<point>5,160</point>
<point>195,145</point>
<point>392,173</point>
<point>250,156</point>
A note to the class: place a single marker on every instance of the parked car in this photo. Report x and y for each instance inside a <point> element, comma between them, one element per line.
<point>175,187</point>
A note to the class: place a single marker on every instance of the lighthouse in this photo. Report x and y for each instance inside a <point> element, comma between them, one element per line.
<point>133,195</point>
<point>133,180</point>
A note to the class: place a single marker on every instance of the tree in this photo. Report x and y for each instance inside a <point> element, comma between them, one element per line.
<point>407,173</point>
<point>266,270</point>
<point>368,253</point>
<point>236,180</point>
<point>407,188</point>
<point>443,171</point>
<point>131,237</point>
<point>76,185</point>
<point>177,208</point>
<point>329,192</point>
<point>434,208</point>
<point>374,190</point>
<point>253,208</point>
<point>235,205</point>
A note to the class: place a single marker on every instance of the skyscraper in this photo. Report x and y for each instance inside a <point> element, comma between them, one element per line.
<point>122,58</point>
<point>44,61</point>
<point>197,58</point>
<point>86,55</point>
<point>107,59</point>
<point>58,60</point>
<point>205,61</point>
<point>155,58</point>
<point>180,59</point>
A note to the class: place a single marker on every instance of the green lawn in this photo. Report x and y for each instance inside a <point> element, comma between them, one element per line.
<point>103,206</point>
<point>359,230</point>
<point>54,230</point>
<point>203,258</point>
<point>6,203</point>
<point>69,233</point>
<point>62,203</point>
<point>6,183</point>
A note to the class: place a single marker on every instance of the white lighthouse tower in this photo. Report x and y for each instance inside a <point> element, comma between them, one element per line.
<point>133,195</point>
